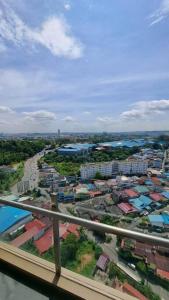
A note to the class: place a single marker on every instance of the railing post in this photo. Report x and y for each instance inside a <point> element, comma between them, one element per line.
<point>57,252</point>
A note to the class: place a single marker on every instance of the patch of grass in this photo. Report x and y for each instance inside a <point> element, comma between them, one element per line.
<point>88,269</point>
<point>67,168</point>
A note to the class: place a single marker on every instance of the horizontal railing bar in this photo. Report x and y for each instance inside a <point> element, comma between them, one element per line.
<point>91,225</point>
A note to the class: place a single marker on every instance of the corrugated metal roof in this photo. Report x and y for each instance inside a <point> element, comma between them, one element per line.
<point>35,223</point>
<point>9,216</point>
<point>155,218</point>
<point>166,194</point>
<point>130,193</point>
<point>45,242</point>
<point>126,207</point>
<point>141,189</point>
<point>133,292</point>
<point>102,262</point>
<point>163,274</point>
<point>156,196</point>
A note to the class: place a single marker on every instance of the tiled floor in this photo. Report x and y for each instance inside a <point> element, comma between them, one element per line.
<point>16,286</point>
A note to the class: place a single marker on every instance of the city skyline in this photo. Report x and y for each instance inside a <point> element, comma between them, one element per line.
<point>84,66</point>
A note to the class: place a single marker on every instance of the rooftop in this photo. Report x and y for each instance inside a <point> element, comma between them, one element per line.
<point>130,193</point>
<point>25,237</point>
<point>9,216</point>
<point>141,189</point>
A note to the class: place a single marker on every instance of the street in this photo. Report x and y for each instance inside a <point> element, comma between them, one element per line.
<point>31,174</point>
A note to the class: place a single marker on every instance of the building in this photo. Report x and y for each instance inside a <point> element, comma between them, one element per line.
<point>45,242</point>
<point>126,208</point>
<point>65,197</point>
<point>59,133</point>
<point>157,163</point>
<point>25,237</point>
<point>89,171</point>
<point>141,203</point>
<point>131,167</point>
<point>75,149</point>
<point>10,216</point>
<point>102,262</point>
<point>129,289</point>
<point>159,220</point>
<point>108,169</point>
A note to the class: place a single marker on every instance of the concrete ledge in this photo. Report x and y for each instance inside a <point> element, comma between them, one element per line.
<point>68,281</point>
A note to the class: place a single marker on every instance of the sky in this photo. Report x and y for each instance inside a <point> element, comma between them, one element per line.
<point>84,65</point>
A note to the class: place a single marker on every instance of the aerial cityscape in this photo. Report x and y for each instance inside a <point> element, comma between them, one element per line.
<point>123,183</point>
<point>84,147</point>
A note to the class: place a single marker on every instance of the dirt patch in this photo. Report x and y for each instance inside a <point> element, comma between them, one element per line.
<point>84,260</point>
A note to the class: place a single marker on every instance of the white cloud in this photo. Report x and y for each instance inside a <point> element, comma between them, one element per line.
<point>87,113</point>
<point>40,115</point>
<point>161,13</point>
<point>143,109</point>
<point>68,119</point>
<point>54,33</point>
<point>105,120</point>
<point>134,78</point>
<point>5,109</point>
<point>67,6</point>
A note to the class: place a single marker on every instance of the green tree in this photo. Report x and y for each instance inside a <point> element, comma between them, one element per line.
<point>68,249</point>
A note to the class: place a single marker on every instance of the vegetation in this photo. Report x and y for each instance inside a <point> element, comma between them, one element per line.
<point>80,255</point>
<point>143,288</point>
<point>67,168</point>
<point>8,179</point>
<point>94,156</point>
<point>18,150</point>
<point>70,165</point>
<point>109,220</point>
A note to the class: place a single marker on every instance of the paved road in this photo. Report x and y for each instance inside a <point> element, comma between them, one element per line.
<point>31,173</point>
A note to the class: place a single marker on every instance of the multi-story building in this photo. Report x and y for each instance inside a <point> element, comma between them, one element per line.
<point>89,171</point>
<point>131,167</point>
<point>107,169</point>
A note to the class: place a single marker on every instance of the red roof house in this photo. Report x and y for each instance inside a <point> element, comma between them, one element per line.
<point>45,242</point>
<point>129,289</point>
<point>35,223</point>
<point>130,193</point>
<point>156,196</point>
<point>73,228</point>
<point>25,237</point>
<point>126,207</point>
<point>162,274</point>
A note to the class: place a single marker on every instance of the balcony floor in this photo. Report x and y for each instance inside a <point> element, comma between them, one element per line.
<point>18,286</point>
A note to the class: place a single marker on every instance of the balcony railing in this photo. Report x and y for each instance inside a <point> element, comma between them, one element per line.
<point>57,216</point>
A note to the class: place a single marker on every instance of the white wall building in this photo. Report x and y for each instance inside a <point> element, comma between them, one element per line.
<point>107,169</point>
<point>89,171</point>
<point>133,167</point>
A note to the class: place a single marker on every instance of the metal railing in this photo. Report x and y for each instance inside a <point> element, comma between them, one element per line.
<point>57,216</point>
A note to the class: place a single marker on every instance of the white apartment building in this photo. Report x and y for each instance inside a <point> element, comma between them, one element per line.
<point>107,169</point>
<point>88,171</point>
<point>133,167</point>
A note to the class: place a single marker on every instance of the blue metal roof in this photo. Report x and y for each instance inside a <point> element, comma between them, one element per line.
<point>165,219</point>
<point>68,150</point>
<point>9,216</point>
<point>156,218</point>
<point>148,182</point>
<point>165,194</point>
<point>141,202</point>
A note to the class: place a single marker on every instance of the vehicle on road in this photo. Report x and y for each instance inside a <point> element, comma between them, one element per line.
<point>132,266</point>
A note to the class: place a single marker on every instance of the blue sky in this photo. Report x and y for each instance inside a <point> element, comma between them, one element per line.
<point>84,65</point>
